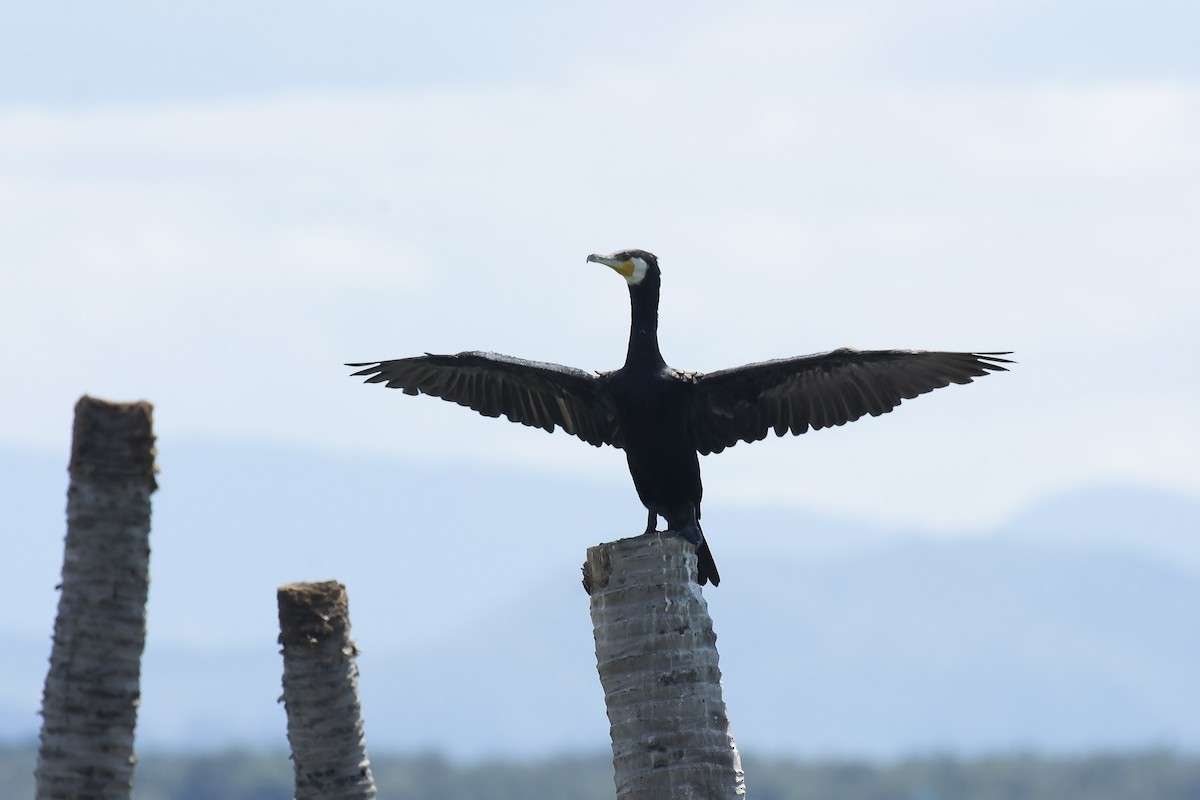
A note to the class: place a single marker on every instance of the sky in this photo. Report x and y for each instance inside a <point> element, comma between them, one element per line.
<point>213,206</point>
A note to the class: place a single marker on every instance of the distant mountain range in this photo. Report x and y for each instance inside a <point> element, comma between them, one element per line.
<point>1073,627</point>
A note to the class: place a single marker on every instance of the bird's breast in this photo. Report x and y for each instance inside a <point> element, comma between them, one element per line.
<point>653,415</point>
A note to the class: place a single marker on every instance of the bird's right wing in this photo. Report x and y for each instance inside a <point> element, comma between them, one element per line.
<point>534,393</point>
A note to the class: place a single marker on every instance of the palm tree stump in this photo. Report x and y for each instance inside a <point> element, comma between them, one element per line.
<point>320,693</point>
<point>89,708</point>
<point>657,657</point>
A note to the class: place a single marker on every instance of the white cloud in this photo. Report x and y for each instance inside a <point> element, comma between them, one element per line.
<point>222,258</point>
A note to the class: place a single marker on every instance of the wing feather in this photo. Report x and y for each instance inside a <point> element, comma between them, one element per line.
<point>534,393</point>
<point>823,390</point>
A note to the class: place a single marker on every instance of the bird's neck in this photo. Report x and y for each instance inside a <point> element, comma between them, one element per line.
<point>643,328</point>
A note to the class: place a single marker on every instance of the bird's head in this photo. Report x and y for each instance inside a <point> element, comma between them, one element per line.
<point>633,265</point>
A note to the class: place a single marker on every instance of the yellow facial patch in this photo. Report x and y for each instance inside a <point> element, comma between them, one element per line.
<point>624,268</point>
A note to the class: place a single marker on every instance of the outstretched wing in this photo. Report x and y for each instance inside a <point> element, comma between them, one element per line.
<point>819,391</point>
<point>532,393</point>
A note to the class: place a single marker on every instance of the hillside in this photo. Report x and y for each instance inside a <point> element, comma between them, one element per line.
<point>1067,630</point>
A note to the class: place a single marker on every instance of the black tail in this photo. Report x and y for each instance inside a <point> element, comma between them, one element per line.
<point>706,568</point>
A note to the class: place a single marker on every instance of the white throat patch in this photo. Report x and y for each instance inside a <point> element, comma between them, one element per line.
<point>640,268</point>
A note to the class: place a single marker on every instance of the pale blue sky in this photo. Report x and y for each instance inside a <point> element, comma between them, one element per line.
<point>70,53</point>
<point>213,206</point>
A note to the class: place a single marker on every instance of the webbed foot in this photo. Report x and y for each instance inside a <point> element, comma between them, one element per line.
<point>691,532</point>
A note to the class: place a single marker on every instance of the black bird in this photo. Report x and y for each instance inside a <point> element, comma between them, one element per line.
<point>662,417</point>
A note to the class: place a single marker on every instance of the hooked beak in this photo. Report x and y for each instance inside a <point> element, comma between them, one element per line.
<point>623,266</point>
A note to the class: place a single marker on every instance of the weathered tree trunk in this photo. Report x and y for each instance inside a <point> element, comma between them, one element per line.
<point>89,708</point>
<point>320,692</point>
<point>657,657</point>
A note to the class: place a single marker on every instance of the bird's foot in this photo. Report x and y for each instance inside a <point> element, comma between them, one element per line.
<point>692,533</point>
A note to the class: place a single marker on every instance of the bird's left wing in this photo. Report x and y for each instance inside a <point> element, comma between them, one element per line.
<point>744,404</point>
<point>533,393</point>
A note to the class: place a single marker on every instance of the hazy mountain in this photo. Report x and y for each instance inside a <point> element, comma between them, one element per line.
<point>1072,627</point>
<point>1120,519</point>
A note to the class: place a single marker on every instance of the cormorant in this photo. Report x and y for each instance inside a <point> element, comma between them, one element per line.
<point>663,417</point>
